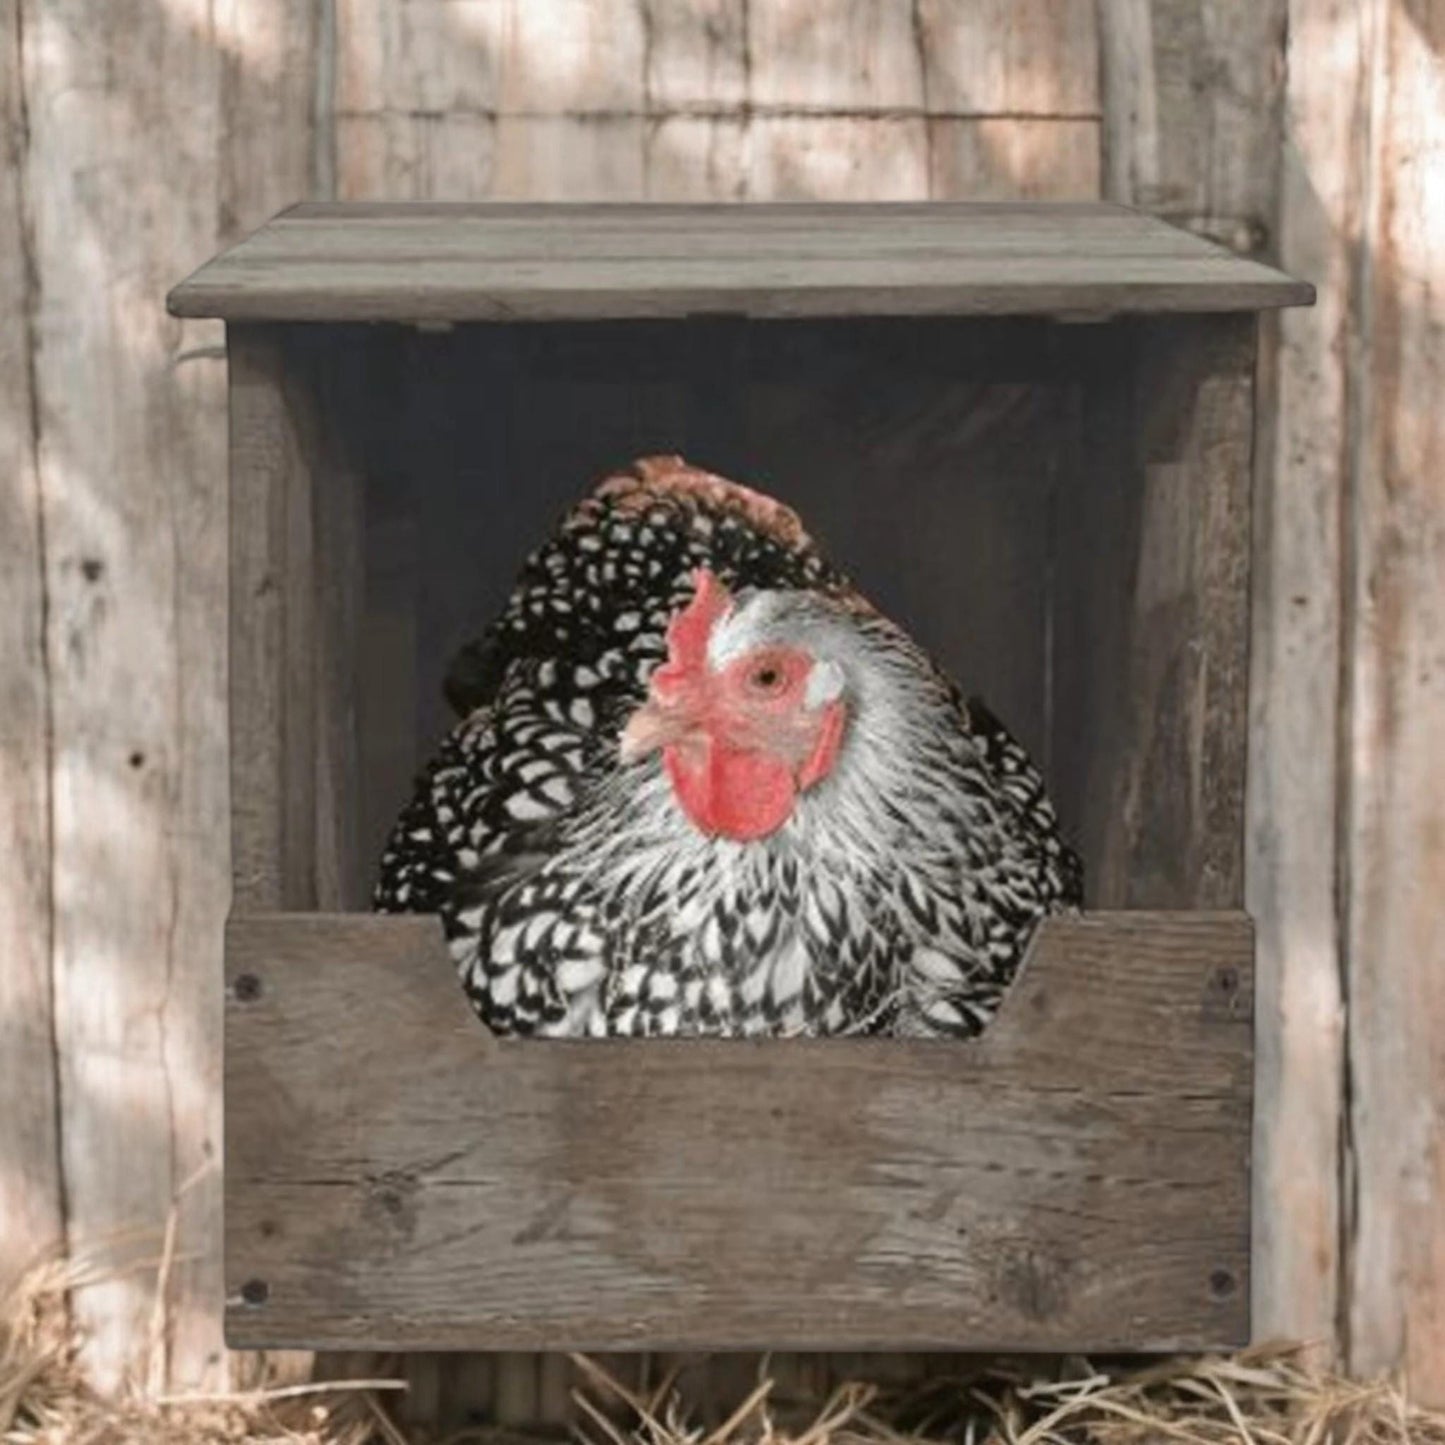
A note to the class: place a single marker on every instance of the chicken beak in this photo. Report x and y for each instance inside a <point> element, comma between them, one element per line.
<point>651,727</point>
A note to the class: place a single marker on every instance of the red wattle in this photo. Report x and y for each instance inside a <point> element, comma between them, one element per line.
<point>731,793</point>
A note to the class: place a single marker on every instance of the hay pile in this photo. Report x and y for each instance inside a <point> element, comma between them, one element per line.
<point>1264,1397</point>
<point>44,1399</point>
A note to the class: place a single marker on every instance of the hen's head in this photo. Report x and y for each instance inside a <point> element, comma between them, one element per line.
<point>750,708</point>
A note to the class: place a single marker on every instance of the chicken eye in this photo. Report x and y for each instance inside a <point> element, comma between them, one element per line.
<point>767,678</point>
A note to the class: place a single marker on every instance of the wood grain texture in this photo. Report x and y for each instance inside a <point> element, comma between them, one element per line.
<point>31,1208</point>
<point>1394,834</point>
<point>129,408</point>
<point>1236,161</point>
<point>698,56</point>
<point>127,424</point>
<point>295,580</point>
<point>1014,158</point>
<point>1292,843</point>
<point>452,1190</point>
<point>1003,58</point>
<point>1151,633</point>
<point>1012,96</point>
<point>537,99</point>
<point>834,55</point>
<point>1191,95</point>
<point>372,262</point>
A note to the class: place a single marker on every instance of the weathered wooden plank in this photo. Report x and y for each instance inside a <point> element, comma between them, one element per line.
<point>1394,835</point>
<point>130,413</point>
<point>569,158</point>
<point>1192,114</point>
<point>1151,635</point>
<point>131,471</point>
<point>697,158</point>
<point>295,561</point>
<point>415,98</point>
<point>1013,159</point>
<point>847,158</point>
<point>457,1190</point>
<point>295,586</point>
<point>401,154</point>
<point>464,100</point>
<point>1292,809</point>
<point>1194,129</point>
<point>343,870</point>
<point>843,56</point>
<point>31,1217</point>
<point>489,263</point>
<point>1012,93</point>
<point>272,694</point>
<point>1010,58</point>
<point>1013,103</point>
<point>697,57</point>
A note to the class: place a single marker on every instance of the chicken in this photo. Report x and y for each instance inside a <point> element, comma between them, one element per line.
<point>700,786</point>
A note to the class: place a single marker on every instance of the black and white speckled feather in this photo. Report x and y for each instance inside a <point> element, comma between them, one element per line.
<point>579,899</point>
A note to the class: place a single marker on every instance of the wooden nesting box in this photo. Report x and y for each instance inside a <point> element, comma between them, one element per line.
<point>1027,432</point>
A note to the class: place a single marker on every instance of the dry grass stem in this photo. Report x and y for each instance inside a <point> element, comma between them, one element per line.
<point>1265,1396</point>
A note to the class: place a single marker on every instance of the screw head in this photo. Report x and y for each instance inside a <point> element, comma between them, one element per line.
<point>255,1292</point>
<point>1222,1283</point>
<point>247,988</point>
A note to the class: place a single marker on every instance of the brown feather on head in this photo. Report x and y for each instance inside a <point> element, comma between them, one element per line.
<point>652,477</point>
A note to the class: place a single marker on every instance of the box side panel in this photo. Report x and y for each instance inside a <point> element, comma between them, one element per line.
<point>1151,614</point>
<point>295,589</point>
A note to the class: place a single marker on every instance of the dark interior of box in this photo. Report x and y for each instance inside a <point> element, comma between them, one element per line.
<point>971,475</point>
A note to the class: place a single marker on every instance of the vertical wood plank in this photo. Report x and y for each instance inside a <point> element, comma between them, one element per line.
<point>696,63</point>
<point>570,97</point>
<point>1295,757</point>
<point>697,158</point>
<point>833,55</point>
<point>343,870</point>
<point>538,100</point>
<point>272,804</point>
<point>1160,596</point>
<point>1010,158</point>
<point>849,158</point>
<point>295,559</point>
<point>131,469</point>
<point>31,1212</point>
<point>697,56</point>
<point>1012,92</point>
<point>1195,127</point>
<point>1394,833</point>
<point>1191,95</point>
<point>838,90</point>
<point>1010,57</point>
<point>132,472</point>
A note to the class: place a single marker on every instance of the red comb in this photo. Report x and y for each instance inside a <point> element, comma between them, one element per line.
<point>688,632</point>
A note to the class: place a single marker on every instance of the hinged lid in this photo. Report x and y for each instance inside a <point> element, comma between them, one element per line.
<point>418,262</point>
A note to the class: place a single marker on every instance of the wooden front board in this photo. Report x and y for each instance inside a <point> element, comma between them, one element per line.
<point>1078,1179</point>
